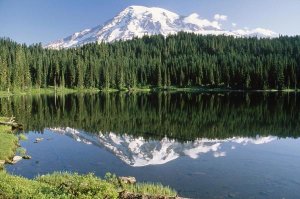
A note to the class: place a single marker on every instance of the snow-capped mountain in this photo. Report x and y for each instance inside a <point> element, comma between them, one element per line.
<point>137,21</point>
<point>138,152</point>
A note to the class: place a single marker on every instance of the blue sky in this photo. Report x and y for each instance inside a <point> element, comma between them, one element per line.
<point>33,21</point>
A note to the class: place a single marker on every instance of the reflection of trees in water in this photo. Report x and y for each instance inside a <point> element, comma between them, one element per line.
<point>178,115</point>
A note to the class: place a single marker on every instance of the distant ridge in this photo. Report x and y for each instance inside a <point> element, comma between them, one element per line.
<point>137,21</point>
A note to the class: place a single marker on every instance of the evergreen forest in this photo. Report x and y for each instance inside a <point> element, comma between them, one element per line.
<point>182,60</point>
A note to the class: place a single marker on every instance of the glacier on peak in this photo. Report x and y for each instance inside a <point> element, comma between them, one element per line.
<point>138,21</point>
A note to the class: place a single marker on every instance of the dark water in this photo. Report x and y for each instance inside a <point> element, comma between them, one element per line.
<point>238,145</point>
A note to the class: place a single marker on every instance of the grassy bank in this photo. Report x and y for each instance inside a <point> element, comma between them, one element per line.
<point>63,90</point>
<point>47,91</point>
<point>8,143</point>
<point>67,185</point>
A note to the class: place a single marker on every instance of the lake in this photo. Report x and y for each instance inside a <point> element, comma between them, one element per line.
<point>204,145</point>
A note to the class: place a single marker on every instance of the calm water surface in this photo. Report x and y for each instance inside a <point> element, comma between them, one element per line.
<point>229,145</point>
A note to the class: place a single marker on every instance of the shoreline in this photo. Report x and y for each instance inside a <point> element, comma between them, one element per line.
<point>8,143</point>
<point>172,89</point>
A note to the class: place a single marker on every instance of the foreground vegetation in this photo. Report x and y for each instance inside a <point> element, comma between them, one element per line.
<point>55,186</point>
<point>8,143</point>
<point>182,60</point>
<point>67,185</point>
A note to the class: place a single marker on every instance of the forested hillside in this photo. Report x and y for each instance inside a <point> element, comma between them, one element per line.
<point>182,60</point>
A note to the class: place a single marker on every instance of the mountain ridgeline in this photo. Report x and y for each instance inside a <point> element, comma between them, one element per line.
<point>138,21</point>
<point>182,60</point>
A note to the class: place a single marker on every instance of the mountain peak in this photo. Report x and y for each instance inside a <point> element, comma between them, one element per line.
<point>137,21</point>
<point>143,9</point>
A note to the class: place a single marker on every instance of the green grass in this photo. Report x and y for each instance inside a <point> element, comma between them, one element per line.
<point>23,137</point>
<point>57,185</point>
<point>150,189</point>
<point>21,151</point>
<point>8,143</point>
<point>62,90</point>
<point>19,187</point>
<point>73,185</point>
<point>5,94</point>
<point>48,91</point>
<point>109,90</point>
<point>80,186</point>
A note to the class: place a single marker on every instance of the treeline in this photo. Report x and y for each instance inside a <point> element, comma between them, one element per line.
<point>174,115</point>
<point>183,60</point>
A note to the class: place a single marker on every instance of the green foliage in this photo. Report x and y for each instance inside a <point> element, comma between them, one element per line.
<point>8,142</point>
<point>80,186</point>
<point>141,188</point>
<point>112,179</point>
<point>57,185</point>
<point>185,60</point>
<point>150,189</point>
<point>23,137</point>
<point>17,187</point>
<point>21,151</point>
<point>71,186</point>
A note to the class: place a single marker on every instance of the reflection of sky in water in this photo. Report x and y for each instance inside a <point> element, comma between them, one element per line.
<point>139,152</point>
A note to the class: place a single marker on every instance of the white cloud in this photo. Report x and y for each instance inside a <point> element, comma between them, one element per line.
<point>234,25</point>
<point>220,17</point>
<point>195,19</point>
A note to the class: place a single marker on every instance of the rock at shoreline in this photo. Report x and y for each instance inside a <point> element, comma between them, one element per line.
<point>16,159</point>
<point>37,140</point>
<point>128,180</point>
<point>26,157</point>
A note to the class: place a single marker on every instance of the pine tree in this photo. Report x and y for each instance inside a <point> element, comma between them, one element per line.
<point>159,78</point>
<point>3,75</point>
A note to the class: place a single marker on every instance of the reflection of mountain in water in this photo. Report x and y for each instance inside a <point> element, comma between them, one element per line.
<point>157,115</point>
<point>139,152</point>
